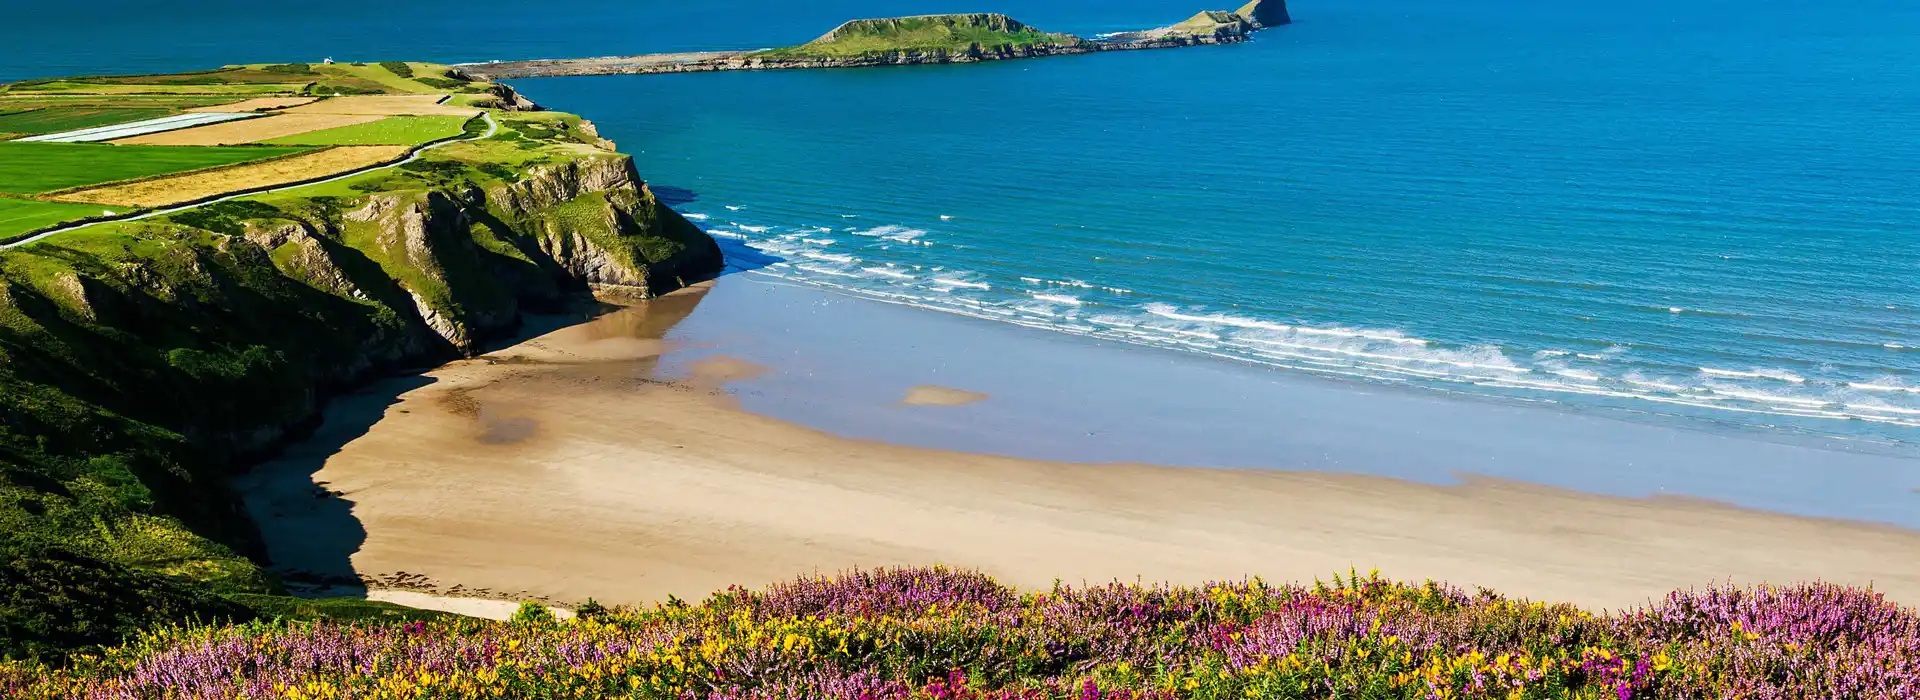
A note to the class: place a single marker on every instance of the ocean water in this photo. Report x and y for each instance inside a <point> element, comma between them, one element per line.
<point>1686,211</point>
<point>1701,213</point>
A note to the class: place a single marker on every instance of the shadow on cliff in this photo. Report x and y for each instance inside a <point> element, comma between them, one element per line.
<point>673,196</point>
<point>309,528</point>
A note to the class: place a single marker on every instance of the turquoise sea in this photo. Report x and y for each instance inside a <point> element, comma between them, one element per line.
<point>1698,212</point>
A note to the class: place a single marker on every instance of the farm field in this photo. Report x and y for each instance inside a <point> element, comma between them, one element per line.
<point>19,216</point>
<point>248,130</point>
<point>255,104</point>
<point>30,168</point>
<point>386,105</point>
<point>390,130</point>
<point>139,128</point>
<point>50,120</point>
<point>197,186</point>
<point>68,87</point>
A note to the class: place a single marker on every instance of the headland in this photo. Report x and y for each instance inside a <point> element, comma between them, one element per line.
<point>917,40</point>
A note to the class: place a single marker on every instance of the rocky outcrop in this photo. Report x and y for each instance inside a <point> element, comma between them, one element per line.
<point>1265,14</point>
<point>1212,27</point>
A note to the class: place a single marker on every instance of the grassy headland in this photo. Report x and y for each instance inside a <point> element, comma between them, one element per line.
<point>954,34</point>
<point>143,362</point>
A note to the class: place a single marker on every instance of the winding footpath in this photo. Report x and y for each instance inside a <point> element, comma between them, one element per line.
<point>493,127</point>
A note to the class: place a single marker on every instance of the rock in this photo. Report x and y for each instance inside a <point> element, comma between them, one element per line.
<point>1263,14</point>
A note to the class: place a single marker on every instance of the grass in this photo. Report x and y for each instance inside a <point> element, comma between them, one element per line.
<point>951,33</point>
<point>191,187</point>
<point>50,120</point>
<point>942,634</point>
<point>20,216</point>
<point>29,168</point>
<point>401,130</point>
<point>68,87</point>
<point>114,510</point>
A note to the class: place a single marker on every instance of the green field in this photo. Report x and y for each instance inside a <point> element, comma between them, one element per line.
<point>18,216</point>
<point>400,131</point>
<point>68,87</point>
<point>29,168</point>
<point>52,120</point>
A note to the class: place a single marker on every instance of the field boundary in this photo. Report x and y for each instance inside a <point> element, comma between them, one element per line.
<point>199,171</point>
<point>31,237</point>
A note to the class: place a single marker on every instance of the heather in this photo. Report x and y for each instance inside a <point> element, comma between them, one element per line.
<point>950,634</point>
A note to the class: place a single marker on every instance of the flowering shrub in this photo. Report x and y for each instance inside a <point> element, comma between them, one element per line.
<point>943,634</point>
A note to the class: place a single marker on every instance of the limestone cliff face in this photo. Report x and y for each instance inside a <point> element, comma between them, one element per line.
<point>1266,13</point>
<point>463,265</point>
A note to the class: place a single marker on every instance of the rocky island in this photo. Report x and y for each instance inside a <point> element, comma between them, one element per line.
<point>923,39</point>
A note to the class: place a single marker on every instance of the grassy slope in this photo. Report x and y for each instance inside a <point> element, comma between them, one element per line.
<point>951,33</point>
<point>109,479</point>
<point>18,216</point>
<point>28,168</point>
<point>391,130</point>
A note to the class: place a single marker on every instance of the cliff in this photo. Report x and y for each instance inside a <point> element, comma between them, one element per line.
<point>143,363</point>
<point>1263,14</point>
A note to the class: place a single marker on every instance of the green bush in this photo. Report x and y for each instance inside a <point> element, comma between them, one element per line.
<point>531,613</point>
<point>54,600</point>
<point>398,68</point>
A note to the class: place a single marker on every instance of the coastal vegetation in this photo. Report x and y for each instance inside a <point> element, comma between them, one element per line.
<point>948,634</point>
<point>919,39</point>
<point>33,168</point>
<point>397,130</point>
<point>142,363</point>
<point>956,34</point>
<point>18,216</point>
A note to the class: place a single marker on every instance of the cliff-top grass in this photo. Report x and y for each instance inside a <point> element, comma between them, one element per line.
<point>18,216</point>
<point>400,130</point>
<point>928,33</point>
<point>29,168</point>
<point>191,187</point>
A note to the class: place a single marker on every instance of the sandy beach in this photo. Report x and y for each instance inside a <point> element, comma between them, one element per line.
<point>571,466</point>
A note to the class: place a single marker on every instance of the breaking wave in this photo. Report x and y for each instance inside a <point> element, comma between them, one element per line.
<point>890,263</point>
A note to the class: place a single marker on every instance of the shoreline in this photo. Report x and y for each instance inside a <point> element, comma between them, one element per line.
<point>599,461</point>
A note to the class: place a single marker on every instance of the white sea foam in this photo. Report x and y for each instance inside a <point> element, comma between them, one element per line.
<point>696,216</point>
<point>829,257</point>
<point>944,217</point>
<point>1756,373</point>
<point>1169,311</point>
<point>734,208</point>
<point>950,282</point>
<point>723,233</point>
<point>1870,386</point>
<point>874,262</point>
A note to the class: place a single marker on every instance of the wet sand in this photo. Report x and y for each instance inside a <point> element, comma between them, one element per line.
<point>574,466</point>
<point>928,395</point>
